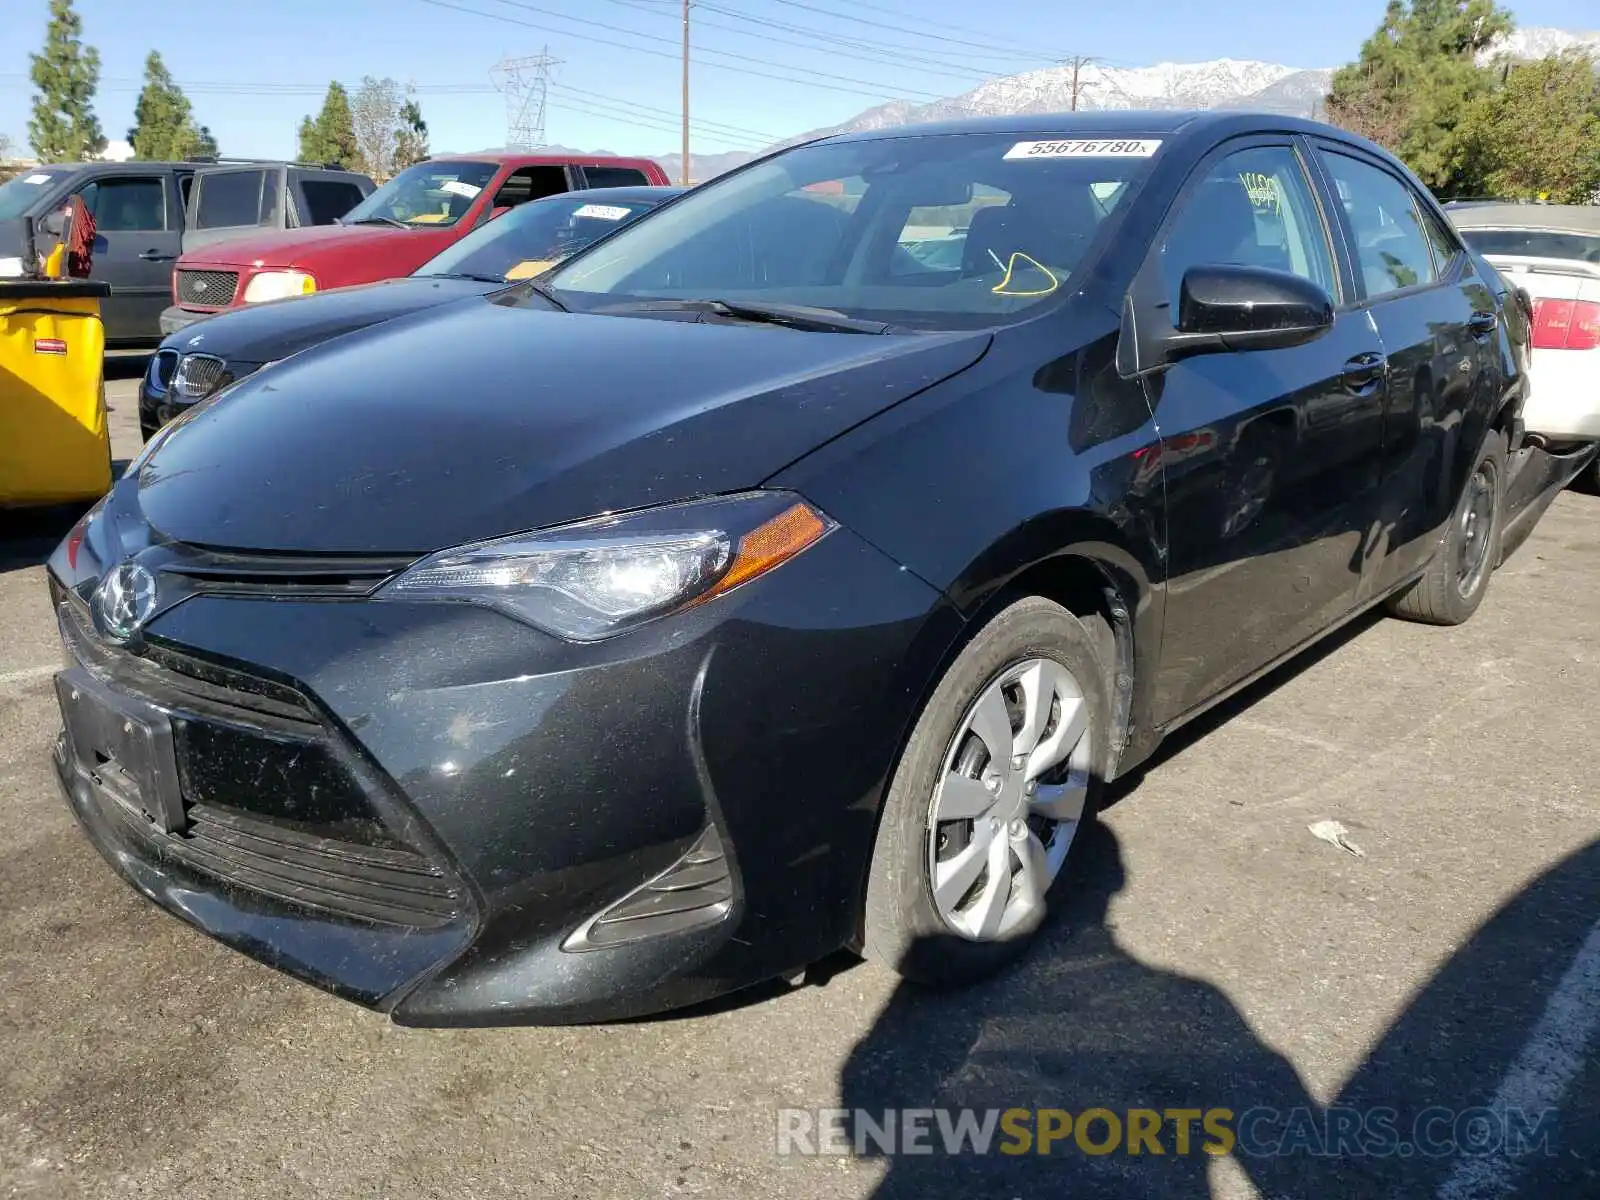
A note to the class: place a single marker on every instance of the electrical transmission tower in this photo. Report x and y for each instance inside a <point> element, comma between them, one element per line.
<point>525,82</point>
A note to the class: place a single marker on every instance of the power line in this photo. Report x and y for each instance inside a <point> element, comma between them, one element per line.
<point>653,111</point>
<point>966,43</point>
<point>876,94</point>
<point>883,51</point>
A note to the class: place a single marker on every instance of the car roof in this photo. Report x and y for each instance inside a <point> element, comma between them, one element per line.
<point>636,195</point>
<point>1107,122</point>
<point>1574,218</point>
<point>536,159</point>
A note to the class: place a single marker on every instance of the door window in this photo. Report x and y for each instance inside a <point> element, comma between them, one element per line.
<point>230,199</point>
<point>128,204</point>
<point>530,183</point>
<point>1253,208</point>
<point>597,177</point>
<point>1392,249</point>
<point>328,199</point>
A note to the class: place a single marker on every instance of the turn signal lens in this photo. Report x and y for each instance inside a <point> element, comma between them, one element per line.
<point>769,545</point>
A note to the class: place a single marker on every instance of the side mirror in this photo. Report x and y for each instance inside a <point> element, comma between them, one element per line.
<point>1250,308</point>
<point>53,224</point>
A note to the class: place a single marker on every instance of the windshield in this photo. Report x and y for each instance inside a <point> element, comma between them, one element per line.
<point>534,237</point>
<point>939,231</point>
<point>1535,243</point>
<point>18,195</point>
<point>430,193</point>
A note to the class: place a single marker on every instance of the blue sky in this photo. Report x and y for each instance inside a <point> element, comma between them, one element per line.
<point>253,69</point>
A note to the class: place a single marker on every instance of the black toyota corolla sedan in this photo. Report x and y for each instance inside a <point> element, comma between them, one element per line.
<point>789,571</point>
<point>211,353</point>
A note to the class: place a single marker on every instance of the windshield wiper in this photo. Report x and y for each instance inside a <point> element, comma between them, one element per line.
<point>792,316</point>
<point>377,221</point>
<point>476,278</point>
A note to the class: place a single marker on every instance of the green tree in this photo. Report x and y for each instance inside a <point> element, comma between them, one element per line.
<point>163,122</point>
<point>1537,136</point>
<point>411,140</point>
<point>331,136</point>
<point>205,143</point>
<point>1414,82</point>
<point>63,127</point>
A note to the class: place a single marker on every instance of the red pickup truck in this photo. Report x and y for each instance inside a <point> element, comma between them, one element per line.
<point>392,232</point>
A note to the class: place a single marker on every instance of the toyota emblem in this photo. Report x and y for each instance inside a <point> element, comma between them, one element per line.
<point>124,600</point>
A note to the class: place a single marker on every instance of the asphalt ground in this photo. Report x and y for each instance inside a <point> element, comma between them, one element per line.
<point>1214,954</point>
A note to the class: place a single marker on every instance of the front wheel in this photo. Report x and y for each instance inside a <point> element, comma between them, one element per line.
<point>997,781</point>
<point>1457,579</point>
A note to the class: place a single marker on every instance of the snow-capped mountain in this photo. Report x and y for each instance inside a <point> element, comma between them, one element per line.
<point>1539,43</point>
<point>1220,83</point>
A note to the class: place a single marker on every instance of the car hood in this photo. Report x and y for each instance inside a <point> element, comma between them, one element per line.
<point>260,333</point>
<point>302,247</point>
<point>486,418</point>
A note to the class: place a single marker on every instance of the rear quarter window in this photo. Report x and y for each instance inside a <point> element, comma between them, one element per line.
<point>230,199</point>
<point>1535,243</point>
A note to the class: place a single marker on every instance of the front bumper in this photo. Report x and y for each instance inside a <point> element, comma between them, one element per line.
<point>537,782</point>
<point>177,318</point>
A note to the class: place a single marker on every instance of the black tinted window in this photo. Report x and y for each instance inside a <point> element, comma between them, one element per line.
<point>1535,243</point>
<point>614,177</point>
<point>328,199</point>
<point>1392,249</point>
<point>127,205</point>
<point>229,199</point>
<point>1444,243</point>
<point>24,191</point>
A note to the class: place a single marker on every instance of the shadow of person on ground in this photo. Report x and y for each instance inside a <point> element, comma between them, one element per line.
<point>1487,1085</point>
<point>1078,1024</point>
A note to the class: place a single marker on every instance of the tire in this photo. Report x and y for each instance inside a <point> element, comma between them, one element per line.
<point>904,926</point>
<point>1457,579</point>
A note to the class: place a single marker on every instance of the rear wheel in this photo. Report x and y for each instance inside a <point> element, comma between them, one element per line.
<point>1457,579</point>
<point>999,778</point>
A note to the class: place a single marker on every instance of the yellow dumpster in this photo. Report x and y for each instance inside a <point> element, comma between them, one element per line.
<point>55,447</point>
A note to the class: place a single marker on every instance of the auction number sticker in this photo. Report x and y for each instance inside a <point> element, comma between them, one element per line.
<point>456,188</point>
<point>603,212</point>
<point>1085,148</point>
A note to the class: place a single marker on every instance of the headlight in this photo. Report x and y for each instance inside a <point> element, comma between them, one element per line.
<point>279,285</point>
<point>596,578</point>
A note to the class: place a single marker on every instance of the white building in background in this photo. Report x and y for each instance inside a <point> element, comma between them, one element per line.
<point>117,152</point>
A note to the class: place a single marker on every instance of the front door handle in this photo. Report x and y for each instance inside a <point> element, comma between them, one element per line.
<point>1364,372</point>
<point>157,256</point>
<point>1482,324</point>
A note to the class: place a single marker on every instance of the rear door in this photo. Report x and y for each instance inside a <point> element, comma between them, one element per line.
<point>1437,319</point>
<point>231,202</point>
<point>138,227</point>
<point>1270,455</point>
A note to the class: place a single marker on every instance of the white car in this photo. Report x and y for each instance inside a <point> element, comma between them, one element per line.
<point>1553,252</point>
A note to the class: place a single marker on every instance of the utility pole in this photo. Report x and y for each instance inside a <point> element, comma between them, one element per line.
<point>684,169</point>
<point>1078,62</point>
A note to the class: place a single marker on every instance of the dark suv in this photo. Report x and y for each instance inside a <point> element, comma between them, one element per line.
<point>148,213</point>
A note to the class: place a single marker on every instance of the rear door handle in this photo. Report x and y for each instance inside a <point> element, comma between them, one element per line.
<point>1481,324</point>
<point>1364,372</point>
<point>157,256</point>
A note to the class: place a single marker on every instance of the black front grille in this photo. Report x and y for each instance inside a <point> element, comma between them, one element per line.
<point>214,288</point>
<point>284,574</point>
<point>272,800</point>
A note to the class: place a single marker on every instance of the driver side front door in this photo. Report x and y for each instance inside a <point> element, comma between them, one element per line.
<point>1270,456</point>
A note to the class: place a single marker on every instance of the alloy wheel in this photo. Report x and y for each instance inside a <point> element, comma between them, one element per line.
<point>1476,524</point>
